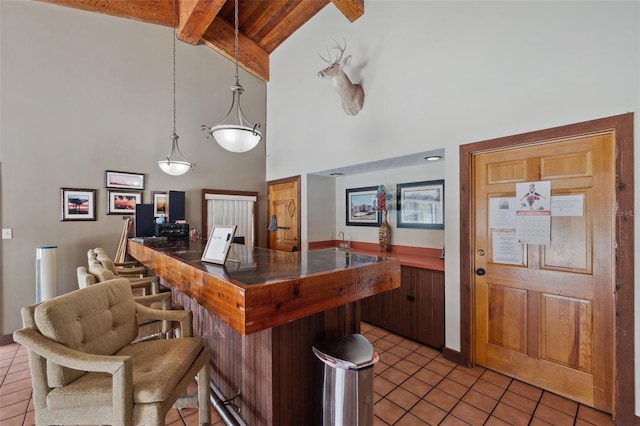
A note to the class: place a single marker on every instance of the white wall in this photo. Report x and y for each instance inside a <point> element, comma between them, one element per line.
<point>82,93</point>
<point>442,74</point>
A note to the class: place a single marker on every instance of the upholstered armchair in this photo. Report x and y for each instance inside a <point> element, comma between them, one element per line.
<point>161,301</point>
<point>133,267</point>
<point>140,286</point>
<point>86,370</point>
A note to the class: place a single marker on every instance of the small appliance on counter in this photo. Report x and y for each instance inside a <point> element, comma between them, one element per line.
<point>172,230</point>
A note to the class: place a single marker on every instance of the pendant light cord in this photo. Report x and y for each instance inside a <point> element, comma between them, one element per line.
<point>174,67</point>
<point>236,39</point>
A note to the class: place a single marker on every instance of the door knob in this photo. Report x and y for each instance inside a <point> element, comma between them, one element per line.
<point>480,271</point>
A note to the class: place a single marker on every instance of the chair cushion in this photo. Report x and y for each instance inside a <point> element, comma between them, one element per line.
<point>99,319</point>
<point>158,366</point>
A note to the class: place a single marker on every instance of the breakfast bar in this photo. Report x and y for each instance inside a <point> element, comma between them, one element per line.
<point>261,312</point>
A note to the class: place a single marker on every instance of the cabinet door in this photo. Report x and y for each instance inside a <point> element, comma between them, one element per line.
<point>372,309</point>
<point>427,311</point>
<point>397,308</point>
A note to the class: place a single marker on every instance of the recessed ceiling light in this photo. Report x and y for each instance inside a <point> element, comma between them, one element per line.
<point>433,158</point>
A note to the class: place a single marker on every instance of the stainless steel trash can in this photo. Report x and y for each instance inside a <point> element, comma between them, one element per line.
<point>347,397</point>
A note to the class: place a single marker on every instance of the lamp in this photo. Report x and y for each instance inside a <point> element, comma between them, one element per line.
<point>238,135</point>
<point>175,164</point>
<point>272,224</point>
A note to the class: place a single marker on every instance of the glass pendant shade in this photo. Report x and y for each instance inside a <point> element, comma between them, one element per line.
<point>175,164</point>
<point>273,226</point>
<point>236,138</point>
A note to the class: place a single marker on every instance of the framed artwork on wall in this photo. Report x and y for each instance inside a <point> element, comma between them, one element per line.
<point>421,205</point>
<point>124,180</point>
<point>361,206</point>
<point>160,203</point>
<point>123,202</point>
<point>77,204</point>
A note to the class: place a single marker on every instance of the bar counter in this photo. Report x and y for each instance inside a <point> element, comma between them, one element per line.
<point>261,313</point>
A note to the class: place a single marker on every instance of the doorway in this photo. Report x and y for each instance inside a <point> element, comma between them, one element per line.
<point>284,214</point>
<point>489,298</point>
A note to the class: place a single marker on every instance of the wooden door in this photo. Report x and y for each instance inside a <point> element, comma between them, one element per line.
<point>284,205</point>
<point>550,320</point>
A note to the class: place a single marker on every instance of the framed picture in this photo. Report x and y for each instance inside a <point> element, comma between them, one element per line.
<point>159,203</point>
<point>218,243</point>
<point>421,205</point>
<point>123,202</point>
<point>124,180</point>
<point>361,208</point>
<point>77,204</point>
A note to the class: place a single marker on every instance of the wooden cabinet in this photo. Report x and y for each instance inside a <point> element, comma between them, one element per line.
<point>415,310</point>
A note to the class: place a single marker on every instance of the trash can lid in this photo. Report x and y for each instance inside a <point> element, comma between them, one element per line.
<point>347,352</point>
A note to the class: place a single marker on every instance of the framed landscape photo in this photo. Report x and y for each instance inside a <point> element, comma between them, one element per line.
<point>421,205</point>
<point>361,206</point>
<point>159,203</point>
<point>77,204</point>
<point>124,180</point>
<point>123,202</point>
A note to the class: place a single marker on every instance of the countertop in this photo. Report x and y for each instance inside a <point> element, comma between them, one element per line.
<point>259,288</point>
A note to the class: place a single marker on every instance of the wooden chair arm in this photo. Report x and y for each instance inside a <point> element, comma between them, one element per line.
<point>183,317</point>
<point>67,357</point>
<point>147,300</point>
<point>120,368</point>
<point>152,284</point>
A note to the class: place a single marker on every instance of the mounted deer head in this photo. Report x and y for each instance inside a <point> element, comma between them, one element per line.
<point>352,95</point>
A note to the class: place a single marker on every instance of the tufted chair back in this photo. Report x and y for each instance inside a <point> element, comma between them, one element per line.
<point>87,368</point>
<point>100,320</point>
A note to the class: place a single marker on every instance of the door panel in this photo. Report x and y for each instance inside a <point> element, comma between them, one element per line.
<point>284,203</point>
<point>549,320</point>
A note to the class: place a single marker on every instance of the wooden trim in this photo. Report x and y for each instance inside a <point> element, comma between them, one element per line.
<point>6,339</point>
<point>203,209</point>
<point>622,125</point>
<point>453,356</point>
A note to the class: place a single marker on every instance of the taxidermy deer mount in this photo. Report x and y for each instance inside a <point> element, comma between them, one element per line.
<point>352,95</point>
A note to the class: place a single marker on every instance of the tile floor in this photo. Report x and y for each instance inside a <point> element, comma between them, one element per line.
<point>413,385</point>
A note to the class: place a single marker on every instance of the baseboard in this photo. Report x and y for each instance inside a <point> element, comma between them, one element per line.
<point>6,339</point>
<point>451,355</point>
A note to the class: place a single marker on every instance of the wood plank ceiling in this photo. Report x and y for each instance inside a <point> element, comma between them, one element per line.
<point>263,24</point>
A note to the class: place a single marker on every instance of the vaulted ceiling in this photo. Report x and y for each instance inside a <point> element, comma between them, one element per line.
<point>263,24</point>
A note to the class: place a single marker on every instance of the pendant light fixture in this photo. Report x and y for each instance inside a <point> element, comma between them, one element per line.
<point>235,133</point>
<point>175,164</point>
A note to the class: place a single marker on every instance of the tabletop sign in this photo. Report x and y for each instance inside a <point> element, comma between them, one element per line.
<point>218,244</point>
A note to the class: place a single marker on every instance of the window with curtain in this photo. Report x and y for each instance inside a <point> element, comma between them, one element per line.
<point>228,210</point>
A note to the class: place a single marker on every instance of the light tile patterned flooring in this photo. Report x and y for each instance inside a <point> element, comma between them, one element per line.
<point>413,385</point>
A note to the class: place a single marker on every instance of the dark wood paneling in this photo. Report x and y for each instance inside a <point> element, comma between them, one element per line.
<point>279,377</point>
<point>415,310</point>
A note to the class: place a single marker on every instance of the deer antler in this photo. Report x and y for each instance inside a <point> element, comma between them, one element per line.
<point>341,49</point>
<point>329,61</point>
<point>336,47</point>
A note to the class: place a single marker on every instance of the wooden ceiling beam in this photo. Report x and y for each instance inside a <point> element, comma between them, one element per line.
<point>288,24</point>
<point>153,11</point>
<point>220,36</point>
<point>352,9</point>
<point>195,17</point>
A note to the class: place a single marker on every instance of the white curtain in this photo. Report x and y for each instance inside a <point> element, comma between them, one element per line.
<point>228,210</point>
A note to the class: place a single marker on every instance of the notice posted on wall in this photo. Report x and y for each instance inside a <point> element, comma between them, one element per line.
<point>533,216</point>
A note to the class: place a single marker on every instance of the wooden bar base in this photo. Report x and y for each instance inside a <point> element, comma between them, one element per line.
<point>275,370</point>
